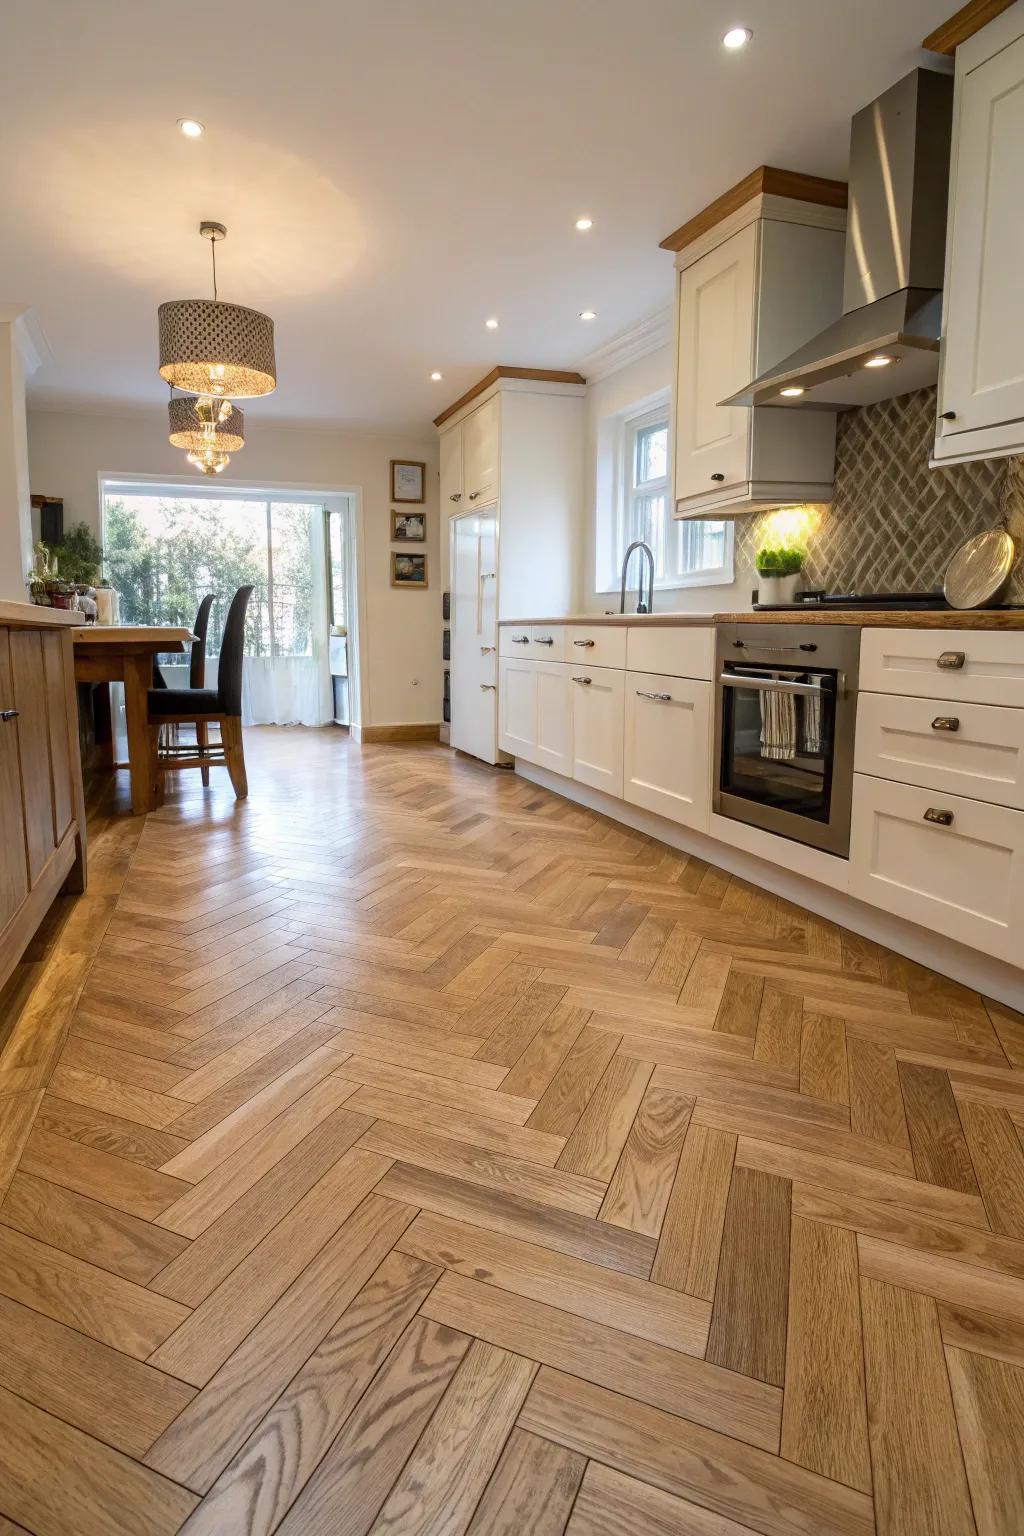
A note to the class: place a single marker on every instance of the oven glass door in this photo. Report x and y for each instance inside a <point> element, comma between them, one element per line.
<point>778,738</point>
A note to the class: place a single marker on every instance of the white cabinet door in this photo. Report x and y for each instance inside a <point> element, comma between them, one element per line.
<point>517,707</point>
<point>597,727</point>
<point>480,450</point>
<point>715,358</point>
<point>667,747</point>
<point>982,380</point>
<point>952,865</point>
<point>450,456</point>
<point>474,635</point>
<point>555,690</point>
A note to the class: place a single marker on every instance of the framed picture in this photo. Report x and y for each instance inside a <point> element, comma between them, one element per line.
<point>408,480</point>
<point>409,526</point>
<point>408,570</point>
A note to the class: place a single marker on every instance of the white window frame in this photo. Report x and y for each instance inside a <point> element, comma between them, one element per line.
<point>617,529</point>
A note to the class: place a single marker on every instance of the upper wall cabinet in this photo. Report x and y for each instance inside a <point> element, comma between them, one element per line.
<point>480,445</point>
<point>981,379</point>
<point>450,465</point>
<point>759,273</point>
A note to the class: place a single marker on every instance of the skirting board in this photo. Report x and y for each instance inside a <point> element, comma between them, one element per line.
<point>992,978</point>
<point>365,734</point>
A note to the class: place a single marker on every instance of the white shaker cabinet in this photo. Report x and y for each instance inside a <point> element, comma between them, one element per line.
<point>450,465</point>
<point>517,707</point>
<point>553,737</point>
<point>480,450</point>
<point>981,380</point>
<point>666,747</point>
<point>597,727</point>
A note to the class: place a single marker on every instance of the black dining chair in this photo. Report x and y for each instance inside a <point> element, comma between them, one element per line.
<point>196,668</point>
<point>202,707</point>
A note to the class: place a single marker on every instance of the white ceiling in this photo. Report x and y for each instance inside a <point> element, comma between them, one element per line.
<point>393,172</point>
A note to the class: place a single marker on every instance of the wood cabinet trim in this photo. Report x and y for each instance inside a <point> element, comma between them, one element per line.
<point>540,375</point>
<point>964,23</point>
<point>766,180</point>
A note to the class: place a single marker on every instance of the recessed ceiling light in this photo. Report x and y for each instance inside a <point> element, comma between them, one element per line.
<point>491,324</point>
<point>737,37</point>
<point>588,314</point>
<point>584,222</point>
<point>881,361</point>
<point>191,127</point>
<point>435,376</point>
<point>792,390</point>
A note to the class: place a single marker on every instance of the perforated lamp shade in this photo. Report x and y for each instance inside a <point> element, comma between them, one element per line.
<point>210,348</point>
<point>194,423</point>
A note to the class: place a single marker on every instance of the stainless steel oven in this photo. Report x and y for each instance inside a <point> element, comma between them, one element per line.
<point>785,708</point>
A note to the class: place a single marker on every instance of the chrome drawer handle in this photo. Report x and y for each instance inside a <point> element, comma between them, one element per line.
<point>520,639</point>
<point>487,687</point>
<point>9,714</point>
<point>487,575</point>
<point>939,818</point>
<point>661,698</point>
<point>587,644</point>
<point>951,661</point>
<point>945,723</point>
<point>543,640</point>
<point>586,681</point>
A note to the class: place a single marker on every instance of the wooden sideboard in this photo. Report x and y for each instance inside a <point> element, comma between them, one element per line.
<point>42,809</point>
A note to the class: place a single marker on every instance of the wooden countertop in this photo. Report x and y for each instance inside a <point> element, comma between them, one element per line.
<point>168,637</point>
<point>32,616</point>
<point>902,618</point>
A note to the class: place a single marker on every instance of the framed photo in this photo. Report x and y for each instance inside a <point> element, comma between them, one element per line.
<point>409,526</point>
<point>408,480</point>
<point>408,570</point>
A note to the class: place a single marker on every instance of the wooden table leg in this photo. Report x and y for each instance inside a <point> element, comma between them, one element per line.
<point>103,728</point>
<point>138,672</point>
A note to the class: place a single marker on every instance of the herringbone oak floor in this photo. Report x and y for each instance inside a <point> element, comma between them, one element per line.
<point>430,1155</point>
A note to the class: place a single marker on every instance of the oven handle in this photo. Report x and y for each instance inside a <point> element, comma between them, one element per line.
<point>775,685</point>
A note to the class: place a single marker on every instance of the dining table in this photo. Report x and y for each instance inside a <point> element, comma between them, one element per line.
<point>125,653</point>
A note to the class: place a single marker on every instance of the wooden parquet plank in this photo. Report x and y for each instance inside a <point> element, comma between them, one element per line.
<point>517,1141</point>
<point>647,1372</point>
<point>570,1090</point>
<point>691,1235</point>
<point>561,1280</point>
<point>823,1066</point>
<point>105,1132</point>
<point>640,1187</point>
<point>947,1279</point>
<point>824,1422</point>
<point>611,1504</point>
<point>99,1491</point>
<point>876,1099</point>
<point>352,1481</point>
<point>748,1324</point>
<point>532,1488</point>
<point>600,1134</point>
<point>988,1396</point>
<point>747,1485</point>
<point>936,1135</point>
<point>998,1157</point>
<point>983,1333</point>
<point>919,1478</point>
<point>539,1062</point>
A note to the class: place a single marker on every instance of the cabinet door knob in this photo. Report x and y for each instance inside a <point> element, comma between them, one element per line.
<point>585,643</point>
<point>586,681</point>
<point>455,496</point>
<point>474,494</point>
<point>718,477</point>
<point>951,661</point>
<point>939,818</point>
<point>948,415</point>
<point>8,714</point>
<point>946,723</point>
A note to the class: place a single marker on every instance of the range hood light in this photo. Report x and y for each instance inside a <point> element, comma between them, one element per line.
<point>881,361</point>
<point>792,391</point>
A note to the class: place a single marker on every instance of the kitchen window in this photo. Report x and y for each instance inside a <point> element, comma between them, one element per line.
<point>686,553</point>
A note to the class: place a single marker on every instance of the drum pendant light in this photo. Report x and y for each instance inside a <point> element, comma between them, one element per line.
<point>208,429</point>
<point>211,348</point>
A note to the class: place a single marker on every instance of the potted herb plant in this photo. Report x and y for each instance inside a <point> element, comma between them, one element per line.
<point>778,568</point>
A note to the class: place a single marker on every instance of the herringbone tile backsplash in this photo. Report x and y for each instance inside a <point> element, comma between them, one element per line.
<point>894,523</point>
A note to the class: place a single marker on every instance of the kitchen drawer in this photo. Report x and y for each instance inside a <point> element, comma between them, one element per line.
<point>547,642</point>
<point>967,749</point>
<point>515,640</point>
<point>984,666</point>
<point>595,644</point>
<point>676,652</point>
<point>964,879</point>
<point>667,747</point>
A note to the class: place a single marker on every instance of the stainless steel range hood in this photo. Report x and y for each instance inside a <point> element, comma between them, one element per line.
<point>886,342</point>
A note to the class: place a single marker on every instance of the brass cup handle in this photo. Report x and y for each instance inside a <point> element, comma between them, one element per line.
<point>660,698</point>
<point>938,818</point>
<point>946,723</point>
<point>586,644</point>
<point>9,714</point>
<point>586,681</point>
<point>951,661</point>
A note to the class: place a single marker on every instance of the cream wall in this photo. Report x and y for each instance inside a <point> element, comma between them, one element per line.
<point>401,636</point>
<point>631,388</point>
